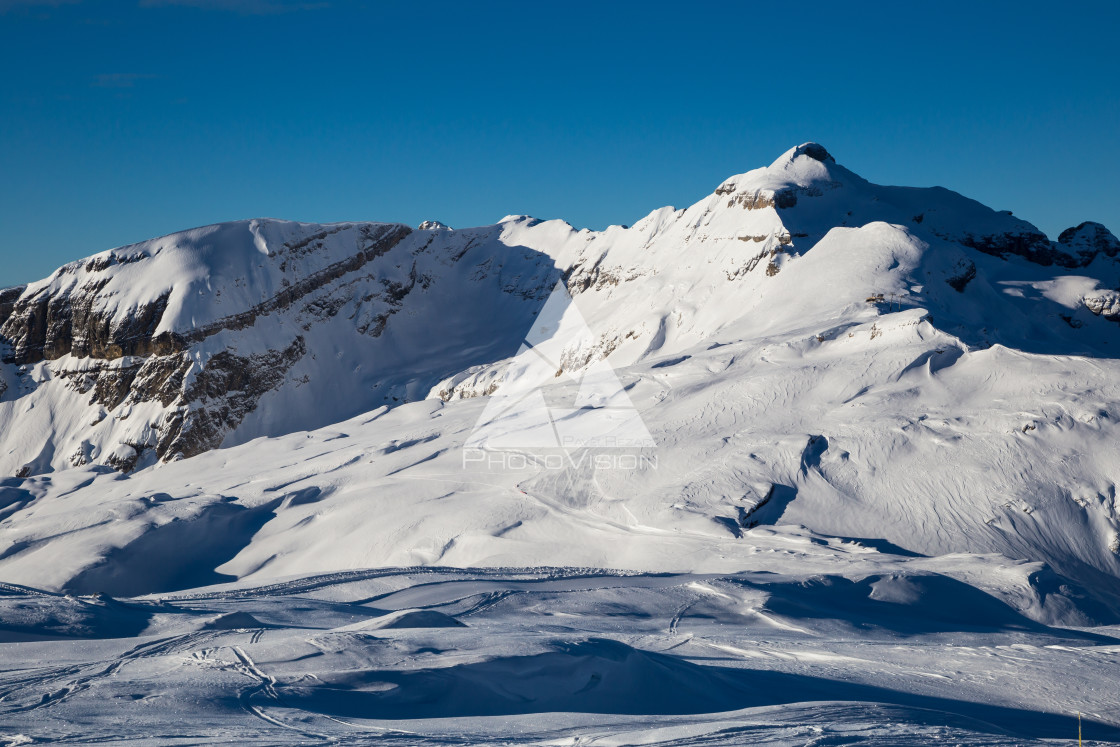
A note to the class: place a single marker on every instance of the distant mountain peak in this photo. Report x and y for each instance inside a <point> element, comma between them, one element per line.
<point>802,166</point>
<point>1090,239</point>
<point>816,151</point>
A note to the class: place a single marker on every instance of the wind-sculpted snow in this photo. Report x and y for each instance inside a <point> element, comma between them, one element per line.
<point>930,460</point>
<point>948,415</point>
<point>877,468</point>
<point>559,656</point>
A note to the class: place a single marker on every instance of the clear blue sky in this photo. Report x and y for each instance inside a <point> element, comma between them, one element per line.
<point>124,120</point>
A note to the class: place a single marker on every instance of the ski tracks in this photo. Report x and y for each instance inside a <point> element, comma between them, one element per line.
<point>264,686</point>
<point>63,682</point>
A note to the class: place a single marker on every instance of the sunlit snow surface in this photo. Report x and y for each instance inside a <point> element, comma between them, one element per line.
<point>549,656</point>
<point>781,635</point>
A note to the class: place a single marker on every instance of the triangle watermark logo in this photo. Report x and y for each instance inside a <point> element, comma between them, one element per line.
<point>534,409</point>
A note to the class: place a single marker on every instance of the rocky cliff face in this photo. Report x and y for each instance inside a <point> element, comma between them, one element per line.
<point>73,318</point>
<point>1089,241</point>
<point>166,349</point>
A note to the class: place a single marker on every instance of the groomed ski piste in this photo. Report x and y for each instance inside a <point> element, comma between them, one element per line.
<point>811,462</point>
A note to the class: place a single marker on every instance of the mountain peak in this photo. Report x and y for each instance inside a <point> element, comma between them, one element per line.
<point>806,154</point>
<point>1090,239</point>
<point>816,151</point>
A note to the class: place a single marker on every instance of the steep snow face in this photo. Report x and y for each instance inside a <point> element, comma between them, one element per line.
<point>805,244</point>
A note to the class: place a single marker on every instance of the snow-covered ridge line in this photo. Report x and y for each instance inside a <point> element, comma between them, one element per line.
<point>72,318</point>
<point>218,320</point>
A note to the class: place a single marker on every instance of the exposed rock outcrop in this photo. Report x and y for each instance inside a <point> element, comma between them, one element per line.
<point>961,280</point>
<point>219,397</point>
<point>1075,247</point>
<point>45,325</point>
<point>8,298</point>
<point>1105,304</point>
<point>1089,240</point>
<point>171,344</point>
<point>1034,247</point>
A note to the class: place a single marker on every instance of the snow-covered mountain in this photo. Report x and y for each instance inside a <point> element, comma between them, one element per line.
<point>877,362</point>
<point>876,462</point>
<point>174,346</point>
<point>860,464</point>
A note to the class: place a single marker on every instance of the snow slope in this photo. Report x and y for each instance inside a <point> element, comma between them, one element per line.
<point>181,344</point>
<point>884,379</point>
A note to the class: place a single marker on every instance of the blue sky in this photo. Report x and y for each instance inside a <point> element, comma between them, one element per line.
<point>121,120</point>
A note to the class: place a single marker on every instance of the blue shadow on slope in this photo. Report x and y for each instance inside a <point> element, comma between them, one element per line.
<point>180,554</point>
<point>605,676</point>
